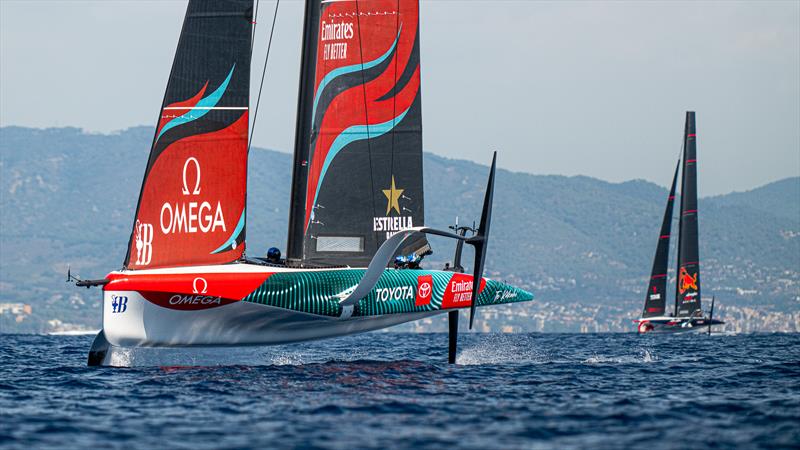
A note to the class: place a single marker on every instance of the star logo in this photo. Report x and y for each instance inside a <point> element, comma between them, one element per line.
<point>392,196</point>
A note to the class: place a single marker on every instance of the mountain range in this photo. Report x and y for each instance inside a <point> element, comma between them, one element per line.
<point>583,246</point>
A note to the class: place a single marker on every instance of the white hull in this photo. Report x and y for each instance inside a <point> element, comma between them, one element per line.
<point>144,324</point>
<point>672,325</point>
<point>246,304</point>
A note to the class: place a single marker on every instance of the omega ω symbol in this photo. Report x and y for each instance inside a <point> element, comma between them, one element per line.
<point>199,285</point>
<point>196,189</point>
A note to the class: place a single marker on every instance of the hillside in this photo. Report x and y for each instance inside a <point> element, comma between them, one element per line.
<point>582,245</point>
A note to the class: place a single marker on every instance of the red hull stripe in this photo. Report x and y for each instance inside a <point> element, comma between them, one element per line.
<point>233,286</point>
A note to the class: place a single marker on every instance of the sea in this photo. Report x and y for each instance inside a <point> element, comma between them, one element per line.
<point>395,390</point>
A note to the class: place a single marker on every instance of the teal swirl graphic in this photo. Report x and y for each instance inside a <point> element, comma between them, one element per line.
<point>319,292</point>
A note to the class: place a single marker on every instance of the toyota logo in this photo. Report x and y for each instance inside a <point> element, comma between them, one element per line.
<point>424,290</point>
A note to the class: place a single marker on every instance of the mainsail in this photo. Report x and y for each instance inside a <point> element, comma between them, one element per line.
<point>192,204</point>
<point>656,296</point>
<point>687,295</point>
<point>358,157</point>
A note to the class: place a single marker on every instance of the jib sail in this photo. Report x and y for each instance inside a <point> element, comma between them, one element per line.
<point>656,296</point>
<point>358,162</point>
<point>687,296</point>
<point>192,204</point>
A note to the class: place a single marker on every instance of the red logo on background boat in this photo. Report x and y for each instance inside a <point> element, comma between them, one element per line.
<point>687,281</point>
<point>424,290</point>
<point>459,291</point>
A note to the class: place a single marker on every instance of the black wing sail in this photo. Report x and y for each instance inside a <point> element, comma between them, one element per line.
<point>687,295</point>
<point>656,296</point>
<point>361,181</point>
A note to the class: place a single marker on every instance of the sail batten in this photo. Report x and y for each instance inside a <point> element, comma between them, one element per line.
<point>687,294</point>
<point>656,295</point>
<point>191,208</point>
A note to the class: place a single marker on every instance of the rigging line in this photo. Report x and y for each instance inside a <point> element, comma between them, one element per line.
<point>366,113</point>
<point>254,22</point>
<point>263,75</point>
<point>253,34</point>
<point>680,167</point>
<point>680,158</point>
<point>678,241</point>
<point>680,151</point>
<point>394,100</point>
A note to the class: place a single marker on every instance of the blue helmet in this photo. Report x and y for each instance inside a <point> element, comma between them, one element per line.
<point>273,254</point>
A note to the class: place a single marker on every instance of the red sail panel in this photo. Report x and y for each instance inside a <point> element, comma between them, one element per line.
<point>364,177</point>
<point>191,207</point>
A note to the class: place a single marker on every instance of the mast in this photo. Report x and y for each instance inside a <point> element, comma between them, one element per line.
<point>656,295</point>
<point>302,138</point>
<point>680,213</point>
<point>687,293</point>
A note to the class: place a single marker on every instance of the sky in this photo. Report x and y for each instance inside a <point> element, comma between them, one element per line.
<point>568,87</point>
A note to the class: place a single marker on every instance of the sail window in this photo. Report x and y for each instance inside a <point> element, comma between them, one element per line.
<point>350,244</point>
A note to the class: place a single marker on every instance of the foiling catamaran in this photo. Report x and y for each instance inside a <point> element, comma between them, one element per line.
<point>687,314</point>
<point>356,197</point>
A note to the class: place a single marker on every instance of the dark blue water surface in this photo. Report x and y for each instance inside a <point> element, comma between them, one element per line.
<point>388,390</point>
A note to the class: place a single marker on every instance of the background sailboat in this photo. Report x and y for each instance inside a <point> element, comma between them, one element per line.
<point>687,314</point>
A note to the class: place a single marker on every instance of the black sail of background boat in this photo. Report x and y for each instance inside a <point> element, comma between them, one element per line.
<point>687,314</point>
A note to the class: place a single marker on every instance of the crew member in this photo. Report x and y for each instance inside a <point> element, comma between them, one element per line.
<point>274,255</point>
